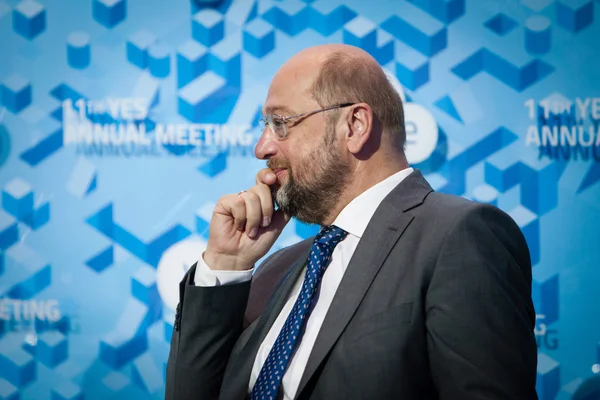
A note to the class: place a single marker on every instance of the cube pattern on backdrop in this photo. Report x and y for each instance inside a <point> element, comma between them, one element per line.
<point>472,67</point>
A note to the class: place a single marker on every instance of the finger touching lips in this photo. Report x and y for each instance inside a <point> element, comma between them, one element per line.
<point>280,172</point>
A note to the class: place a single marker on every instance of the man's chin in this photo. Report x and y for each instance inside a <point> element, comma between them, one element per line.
<point>282,200</point>
<point>275,188</point>
<point>276,195</point>
<point>282,180</point>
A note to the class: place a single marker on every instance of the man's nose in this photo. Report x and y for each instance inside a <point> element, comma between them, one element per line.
<point>266,146</point>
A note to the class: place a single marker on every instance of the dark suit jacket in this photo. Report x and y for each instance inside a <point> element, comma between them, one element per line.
<point>435,304</point>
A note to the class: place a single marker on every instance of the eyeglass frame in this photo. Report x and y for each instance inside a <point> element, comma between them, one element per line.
<point>288,118</point>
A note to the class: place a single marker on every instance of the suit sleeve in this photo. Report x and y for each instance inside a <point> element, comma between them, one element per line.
<point>205,276</point>
<point>207,325</point>
<point>480,316</point>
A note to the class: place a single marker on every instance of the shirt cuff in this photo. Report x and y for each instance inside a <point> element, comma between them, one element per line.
<point>208,277</point>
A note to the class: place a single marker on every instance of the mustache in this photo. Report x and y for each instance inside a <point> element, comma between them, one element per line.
<point>274,164</point>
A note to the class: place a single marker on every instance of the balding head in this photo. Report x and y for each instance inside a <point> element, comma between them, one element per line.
<point>312,58</point>
<point>338,73</point>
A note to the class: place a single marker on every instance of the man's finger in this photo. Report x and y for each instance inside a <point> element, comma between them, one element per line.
<point>253,213</point>
<point>266,203</point>
<point>280,220</point>
<point>266,176</point>
<point>235,206</point>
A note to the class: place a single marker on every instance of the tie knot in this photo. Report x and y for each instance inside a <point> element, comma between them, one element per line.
<point>331,235</point>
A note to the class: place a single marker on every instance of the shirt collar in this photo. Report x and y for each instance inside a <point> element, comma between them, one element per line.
<point>355,217</point>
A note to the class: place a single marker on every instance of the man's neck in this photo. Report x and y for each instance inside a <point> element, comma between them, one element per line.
<point>363,179</point>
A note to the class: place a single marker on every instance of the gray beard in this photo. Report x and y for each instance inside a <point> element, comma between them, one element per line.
<point>313,201</point>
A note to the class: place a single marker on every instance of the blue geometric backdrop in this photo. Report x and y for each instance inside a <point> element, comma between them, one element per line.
<point>123,121</point>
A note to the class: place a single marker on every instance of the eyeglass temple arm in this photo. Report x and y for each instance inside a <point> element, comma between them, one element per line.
<point>309,113</point>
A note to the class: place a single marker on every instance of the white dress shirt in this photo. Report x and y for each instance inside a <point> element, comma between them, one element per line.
<point>354,219</point>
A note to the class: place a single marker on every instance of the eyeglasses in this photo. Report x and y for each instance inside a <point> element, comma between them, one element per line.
<point>278,123</point>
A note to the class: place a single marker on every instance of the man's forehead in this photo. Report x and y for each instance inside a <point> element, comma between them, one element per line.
<point>287,100</point>
<point>290,89</point>
<point>277,109</point>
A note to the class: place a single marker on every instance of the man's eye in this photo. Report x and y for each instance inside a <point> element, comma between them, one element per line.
<point>277,122</point>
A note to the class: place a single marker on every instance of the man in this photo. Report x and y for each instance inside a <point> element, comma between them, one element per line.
<point>404,293</point>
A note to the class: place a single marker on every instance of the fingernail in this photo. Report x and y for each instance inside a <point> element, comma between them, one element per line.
<point>266,221</point>
<point>271,176</point>
<point>253,232</point>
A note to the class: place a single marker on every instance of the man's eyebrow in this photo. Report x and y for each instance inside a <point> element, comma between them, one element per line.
<point>280,109</point>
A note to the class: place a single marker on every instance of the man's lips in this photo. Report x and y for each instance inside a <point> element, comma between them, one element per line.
<point>279,172</point>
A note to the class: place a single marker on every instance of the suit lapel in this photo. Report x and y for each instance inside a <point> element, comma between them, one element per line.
<point>383,231</point>
<point>242,367</point>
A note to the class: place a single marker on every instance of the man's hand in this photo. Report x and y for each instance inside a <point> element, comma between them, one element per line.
<point>244,226</point>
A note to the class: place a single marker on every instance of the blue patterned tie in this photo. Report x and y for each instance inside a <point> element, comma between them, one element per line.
<point>273,369</point>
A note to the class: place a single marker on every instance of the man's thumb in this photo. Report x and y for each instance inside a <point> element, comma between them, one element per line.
<point>278,221</point>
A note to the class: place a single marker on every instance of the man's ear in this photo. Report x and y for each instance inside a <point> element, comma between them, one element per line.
<point>360,122</point>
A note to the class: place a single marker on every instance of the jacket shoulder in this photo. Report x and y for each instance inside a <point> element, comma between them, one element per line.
<point>451,208</point>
